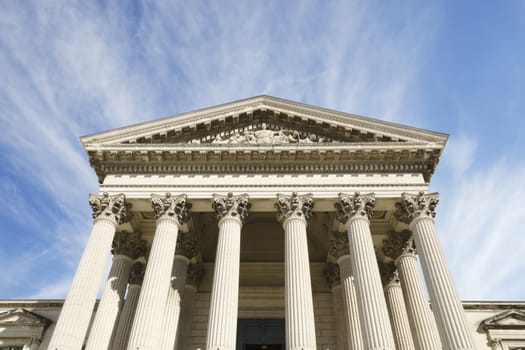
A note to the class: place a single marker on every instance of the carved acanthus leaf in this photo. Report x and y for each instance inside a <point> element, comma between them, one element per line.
<point>338,246</point>
<point>186,245</point>
<point>194,275</point>
<point>167,206</point>
<point>137,273</point>
<point>230,205</point>
<point>356,205</point>
<point>110,207</point>
<point>394,279</point>
<point>415,206</point>
<point>129,244</point>
<point>386,270</point>
<point>294,206</point>
<point>332,275</point>
<point>393,245</point>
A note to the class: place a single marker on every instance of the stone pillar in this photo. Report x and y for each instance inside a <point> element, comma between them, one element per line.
<point>231,212</point>
<point>356,210</point>
<point>338,249</point>
<point>293,212</point>
<point>125,320</point>
<point>147,329</point>
<point>419,211</point>
<point>73,322</point>
<point>398,314</point>
<point>193,278</point>
<point>422,322</point>
<point>126,248</point>
<point>332,276</point>
<point>185,251</point>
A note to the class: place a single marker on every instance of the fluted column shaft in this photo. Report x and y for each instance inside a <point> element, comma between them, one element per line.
<point>173,303</point>
<point>354,335</point>
<point>398,316</point>
<point>126,317</point>
<point>340,319</point>
<point>109,307</point>
<point>299,310</point>
<point>75,315</point>
<point>420,315</point>
<point>146,332</point>
<point>73,322</point>
<point>183,340</point>
<point>373,312</point>
<point>419,211</point>
<point>222,323</point>
<point>447,307</point>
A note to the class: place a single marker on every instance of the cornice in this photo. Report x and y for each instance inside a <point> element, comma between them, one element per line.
<point>194,120</point>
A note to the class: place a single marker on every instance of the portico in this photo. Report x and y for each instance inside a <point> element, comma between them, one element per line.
<point>237,210</point>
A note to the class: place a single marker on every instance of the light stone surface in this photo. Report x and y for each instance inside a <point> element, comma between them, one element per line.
<point>355,211</point>
<point>398,314</point>
<point>419,211</point>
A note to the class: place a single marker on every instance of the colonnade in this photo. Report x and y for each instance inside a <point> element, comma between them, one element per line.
<point>394,316</point>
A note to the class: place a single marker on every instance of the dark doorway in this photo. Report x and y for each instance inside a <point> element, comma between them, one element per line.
<point>264,347</point>
<point>260,334</point>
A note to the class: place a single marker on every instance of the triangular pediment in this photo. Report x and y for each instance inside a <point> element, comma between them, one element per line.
<point>22,317</point>
<point>264,134</point>
<point>507,319</point>
<point>237,122</point>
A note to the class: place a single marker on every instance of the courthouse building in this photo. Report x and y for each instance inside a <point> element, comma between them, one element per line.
<point>263,224</point>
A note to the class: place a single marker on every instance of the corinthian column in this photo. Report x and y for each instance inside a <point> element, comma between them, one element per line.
<point>126,248</point>
<point>125,320</point>
<point>293,211</point>
<point>331,273</point>
<point>356,210</point>
<point>398,314</point>
<point>193,278</point>
<point>231,212</point>
<point>186,250</point>
<point>147,329</point>
<point>419,211</point>
<point>73,322</point>
<point>339,250</point>
<point>400,247</point>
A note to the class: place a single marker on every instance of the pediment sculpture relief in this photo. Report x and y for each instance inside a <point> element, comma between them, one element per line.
<point>266,136</point>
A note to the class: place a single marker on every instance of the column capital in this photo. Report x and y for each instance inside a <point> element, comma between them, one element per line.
<point>338,245</point>
<point>171,207</point>
<point>128,244</point>
<point>231,206</point>
<point>394,280</point>
<point>194,275</point>
<point>294,206</point>
<point>186,245</point>
<point>137,273</point>
<point>415,206</point>
<point>394,244</point>
<point>113,208</point>
<point>354,206</point>
<point>386,270</point>
<point>332,275</point>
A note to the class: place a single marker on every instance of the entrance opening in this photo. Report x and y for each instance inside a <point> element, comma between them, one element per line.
<point>260,334</point>
<point>264,347</point>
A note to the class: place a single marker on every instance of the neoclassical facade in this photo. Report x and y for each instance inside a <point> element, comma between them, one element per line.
<point>265,224</point>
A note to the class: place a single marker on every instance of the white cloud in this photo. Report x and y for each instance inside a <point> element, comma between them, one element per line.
<point>480,220</point>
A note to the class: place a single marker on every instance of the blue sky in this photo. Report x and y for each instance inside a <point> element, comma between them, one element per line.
<point>74,68</point>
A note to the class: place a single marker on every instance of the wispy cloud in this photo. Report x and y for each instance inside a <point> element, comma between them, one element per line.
<point>88,67</point>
